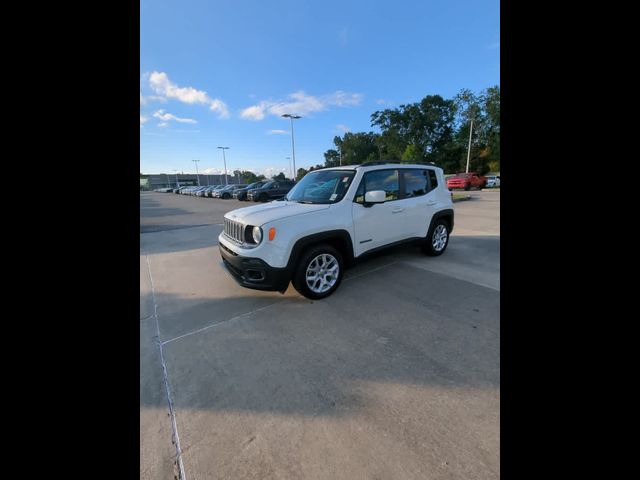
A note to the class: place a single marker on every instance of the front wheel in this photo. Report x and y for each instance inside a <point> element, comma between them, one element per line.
<point>264,197</point>
<point>437,239</point>
<point>467,187</point>
<point>319,272</point>
<point>225,196</point>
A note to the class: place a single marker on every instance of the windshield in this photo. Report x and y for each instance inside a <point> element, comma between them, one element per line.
<point>327,186</point>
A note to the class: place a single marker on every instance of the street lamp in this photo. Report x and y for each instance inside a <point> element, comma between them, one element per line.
<point>226,181</point>
<point>293,148</point>
<point>289,162</point>
<point>177,181</point>
<point>197,174</point>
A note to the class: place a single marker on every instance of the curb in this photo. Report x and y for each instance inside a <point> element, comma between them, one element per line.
<point>490,190</point>
<point>455,200</point>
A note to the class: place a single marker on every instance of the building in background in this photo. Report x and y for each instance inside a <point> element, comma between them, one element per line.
<point>160,180</point>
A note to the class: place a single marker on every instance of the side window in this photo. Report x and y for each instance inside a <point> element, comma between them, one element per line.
<point>433,179</point>
<point>360,192</point>
<point>386,180</point>
<point>415,183</point>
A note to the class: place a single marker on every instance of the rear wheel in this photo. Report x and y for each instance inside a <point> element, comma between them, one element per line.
<point>319,272</point>
<point>226,196</point>
<point>467,187</point>
<point>437,239</point>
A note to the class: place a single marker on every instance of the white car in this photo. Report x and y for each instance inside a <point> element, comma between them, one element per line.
<point>331,218</point>
<point>493,181</point>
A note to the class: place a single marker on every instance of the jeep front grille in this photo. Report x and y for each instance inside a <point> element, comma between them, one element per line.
<point>234,230</point>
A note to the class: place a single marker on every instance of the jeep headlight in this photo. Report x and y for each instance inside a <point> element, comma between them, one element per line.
<point>256,233</point>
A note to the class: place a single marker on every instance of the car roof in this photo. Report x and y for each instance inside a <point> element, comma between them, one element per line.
<point>369,166</point>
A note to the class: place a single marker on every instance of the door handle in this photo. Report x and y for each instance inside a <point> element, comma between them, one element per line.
<point>397,210</point>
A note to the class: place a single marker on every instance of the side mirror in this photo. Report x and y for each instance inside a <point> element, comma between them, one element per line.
<point>375,196</point>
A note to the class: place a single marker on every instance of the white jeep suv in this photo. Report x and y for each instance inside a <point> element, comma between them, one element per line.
<point>332,217</point>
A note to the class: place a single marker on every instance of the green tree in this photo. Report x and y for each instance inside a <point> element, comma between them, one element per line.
<point>424,128</point>
<point>279,176</point>
<point>301,173</point>
<point>356,148</point>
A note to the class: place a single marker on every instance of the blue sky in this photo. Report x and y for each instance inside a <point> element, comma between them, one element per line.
<point>220,73</point>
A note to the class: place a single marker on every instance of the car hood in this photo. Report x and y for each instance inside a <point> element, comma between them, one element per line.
<point>258,215</point>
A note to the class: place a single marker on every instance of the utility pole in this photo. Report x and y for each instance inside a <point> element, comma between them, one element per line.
<point>177,181</point>
<point>293,146</point>
<point>226,181</point>
<point>469,149</point>
<point>197,174</point>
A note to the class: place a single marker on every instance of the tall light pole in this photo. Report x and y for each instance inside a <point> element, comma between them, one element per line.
<point>197,174</point>
<point>289,162</point>
<point>226,181</point>
<point>293,147</point>
<point>469,148</point>
<point>177,181</point>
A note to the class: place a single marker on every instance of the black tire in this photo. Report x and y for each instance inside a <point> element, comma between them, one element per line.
<point>435,250</point>
<point>226,196</point>
<point>264,197</point>
<point>467,187</point>
<point>299,280</point>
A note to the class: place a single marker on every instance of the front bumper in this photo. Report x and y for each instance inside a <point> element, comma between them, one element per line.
<point>254,273</point>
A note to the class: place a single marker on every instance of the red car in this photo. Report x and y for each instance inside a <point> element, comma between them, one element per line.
<point>467,181</point>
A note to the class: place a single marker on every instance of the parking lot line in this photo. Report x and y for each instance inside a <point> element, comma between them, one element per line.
<point>174,425</point>
<point>220,323</point>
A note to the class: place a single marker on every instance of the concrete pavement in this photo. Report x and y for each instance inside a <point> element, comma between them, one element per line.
<point>396,375</point>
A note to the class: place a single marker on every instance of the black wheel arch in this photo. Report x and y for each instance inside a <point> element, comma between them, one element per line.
<point>446,215</point>
<point>338,239</point>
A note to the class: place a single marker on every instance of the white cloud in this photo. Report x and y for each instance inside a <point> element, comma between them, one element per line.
<point>344,99</point>
<point>273,171</point>
<point>143,119</point>
<point>344,128</point>
<point>214,171</point>
<point>166,117</point>
<point>255,112</point>
<point>278,132</point>
<point>163,124</point>
<point>220,107</point>
<point>144,100</point>
<point>301,103</point>
<point>381,101</point>
<point>161,84</point>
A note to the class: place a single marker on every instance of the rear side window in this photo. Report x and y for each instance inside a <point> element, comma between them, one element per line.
<point>433,179</point>
<point>416,183</point>
<point>386,180</point>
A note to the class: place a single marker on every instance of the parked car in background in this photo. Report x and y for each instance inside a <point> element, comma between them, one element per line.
<point>241,193</point>
<point>466,181</point>
<point>227,191</point>
<point>212,192</point>
<point>203,191</point>
<point>270,191</point>
<point>493,181</point>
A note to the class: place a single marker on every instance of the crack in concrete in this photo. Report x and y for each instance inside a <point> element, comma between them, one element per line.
<point>176,438</point>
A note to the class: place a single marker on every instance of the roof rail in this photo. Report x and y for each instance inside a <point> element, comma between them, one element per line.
<point>369,164</point>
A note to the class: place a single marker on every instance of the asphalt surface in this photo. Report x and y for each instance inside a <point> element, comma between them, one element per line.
<point>395,376</point>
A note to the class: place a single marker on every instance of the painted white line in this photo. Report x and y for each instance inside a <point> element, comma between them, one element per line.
<point>237,317</point>
<point>371,271</point>
<point>174,425</point>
